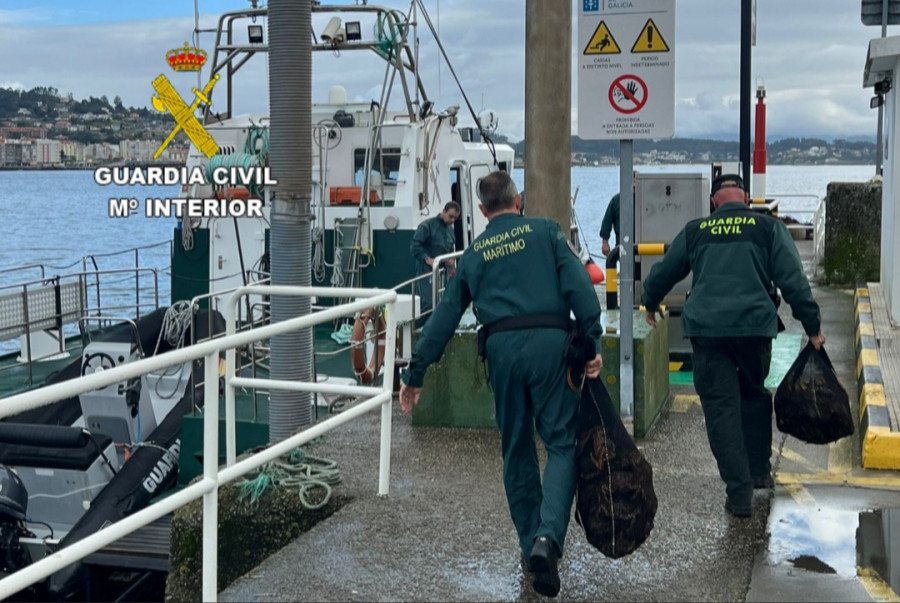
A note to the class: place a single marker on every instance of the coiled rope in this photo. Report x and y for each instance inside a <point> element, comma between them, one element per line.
<point>175,325</point>
<point>318,262</point>
<point>308,474</point>
<point>255,154</point>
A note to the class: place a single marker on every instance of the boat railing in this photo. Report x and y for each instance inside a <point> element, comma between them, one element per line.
<point>257,315</point>
<point>439,269</point>
<point>43,268</point>
<point>371,398</point>
<point>45,312</point>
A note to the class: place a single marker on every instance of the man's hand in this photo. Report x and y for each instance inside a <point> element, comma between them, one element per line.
<point>818,340</point>
<point>651,317</point>
<point>593,367</point>
<point>604,248</point>
<point>409,397</point>
<point>430,262</point>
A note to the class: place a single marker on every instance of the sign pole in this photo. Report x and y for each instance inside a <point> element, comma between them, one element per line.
<point>626,284</point>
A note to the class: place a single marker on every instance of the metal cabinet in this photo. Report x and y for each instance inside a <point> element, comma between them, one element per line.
<point>664,203</point>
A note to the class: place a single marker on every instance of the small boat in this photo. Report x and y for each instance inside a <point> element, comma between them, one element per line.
<point>379,169</point>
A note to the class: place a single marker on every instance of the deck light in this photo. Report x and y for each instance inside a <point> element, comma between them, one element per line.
<point>255,34</point>
<point>353,30</point>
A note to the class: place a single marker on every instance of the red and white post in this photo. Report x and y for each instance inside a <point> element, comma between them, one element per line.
<point>758,182</point>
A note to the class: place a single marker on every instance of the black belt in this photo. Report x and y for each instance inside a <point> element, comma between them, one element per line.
<point>529,321</point>
<point>515,323</point>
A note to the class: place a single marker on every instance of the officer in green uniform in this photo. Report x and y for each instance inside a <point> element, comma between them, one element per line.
<point>524,280</point>
<point>610,224</point>
<point>736,255</point>
<point>432,238</point>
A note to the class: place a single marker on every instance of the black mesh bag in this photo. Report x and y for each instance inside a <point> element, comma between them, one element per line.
<point>810,402</point>
<point>615,502</point>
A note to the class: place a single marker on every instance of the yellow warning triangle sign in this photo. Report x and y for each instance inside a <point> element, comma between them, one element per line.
<point>602,42</point>
<point>650,40</point>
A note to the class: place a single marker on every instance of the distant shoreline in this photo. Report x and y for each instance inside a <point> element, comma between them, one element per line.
<point>83,168</point>
<point>144,166</point>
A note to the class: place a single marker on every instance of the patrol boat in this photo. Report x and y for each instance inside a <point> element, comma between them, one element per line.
<point>377,174</point>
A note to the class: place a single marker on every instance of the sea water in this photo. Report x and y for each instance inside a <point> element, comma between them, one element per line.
<point>58,222</point>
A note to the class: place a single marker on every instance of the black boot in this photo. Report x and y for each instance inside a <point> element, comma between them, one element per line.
<point>543,561</point>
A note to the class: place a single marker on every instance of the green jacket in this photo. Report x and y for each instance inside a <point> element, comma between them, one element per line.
<point>432,238</point>
<point>735,255</point>
<point>516,267</point>
<point>611,219</point>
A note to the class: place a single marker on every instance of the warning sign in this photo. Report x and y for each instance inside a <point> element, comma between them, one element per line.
<point>628,94</point>
<point>650,40</point>
<point>602,42</point>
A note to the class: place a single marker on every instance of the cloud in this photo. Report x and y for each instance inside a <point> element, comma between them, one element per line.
<point>809,55</point>
<point>25,15</point>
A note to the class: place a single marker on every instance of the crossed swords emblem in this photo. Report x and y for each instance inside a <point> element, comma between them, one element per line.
<point>167,99</point>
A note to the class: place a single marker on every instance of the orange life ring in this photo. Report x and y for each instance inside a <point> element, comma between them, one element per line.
<point>366,372</point>
<point>234,193</point>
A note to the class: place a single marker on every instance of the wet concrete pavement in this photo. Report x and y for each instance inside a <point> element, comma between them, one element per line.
<point>444,533</point>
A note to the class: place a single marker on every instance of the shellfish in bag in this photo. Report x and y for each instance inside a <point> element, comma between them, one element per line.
<point>810,402</point>
<point>615,502</point>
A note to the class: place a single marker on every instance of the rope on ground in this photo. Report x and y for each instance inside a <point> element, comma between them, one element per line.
<point>309,474</point>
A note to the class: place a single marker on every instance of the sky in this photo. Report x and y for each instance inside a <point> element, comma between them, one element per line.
<point>809,55</point>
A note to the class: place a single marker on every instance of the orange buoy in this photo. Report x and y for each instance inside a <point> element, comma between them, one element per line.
<point>367,372</point>
<point>594,271</point>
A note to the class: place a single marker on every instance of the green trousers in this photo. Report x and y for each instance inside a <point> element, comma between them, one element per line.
<point>527,374</point>
<point>729,376</point>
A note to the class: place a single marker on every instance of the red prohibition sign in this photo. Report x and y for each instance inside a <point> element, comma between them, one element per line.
<point>628,94</point>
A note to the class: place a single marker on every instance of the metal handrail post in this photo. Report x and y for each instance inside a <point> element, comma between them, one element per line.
<point>211,472</point>
<point>390,351</point>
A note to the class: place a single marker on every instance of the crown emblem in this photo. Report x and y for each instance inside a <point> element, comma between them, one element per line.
<point>186,59</point>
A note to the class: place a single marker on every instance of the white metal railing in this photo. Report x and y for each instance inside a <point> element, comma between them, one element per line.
<point>814,220</point>
<point>213,477</point>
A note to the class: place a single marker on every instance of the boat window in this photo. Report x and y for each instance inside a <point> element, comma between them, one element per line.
<point>386,162</point>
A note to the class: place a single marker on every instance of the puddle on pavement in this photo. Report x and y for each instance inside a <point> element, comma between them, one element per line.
<point>815,539</point>
<point>834,541</point>
<point>879,548</point>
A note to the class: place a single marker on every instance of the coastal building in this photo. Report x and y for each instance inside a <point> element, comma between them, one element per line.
<point>47,152</point>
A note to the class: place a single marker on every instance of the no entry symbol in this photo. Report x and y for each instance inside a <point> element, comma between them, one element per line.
<point>628,94</point>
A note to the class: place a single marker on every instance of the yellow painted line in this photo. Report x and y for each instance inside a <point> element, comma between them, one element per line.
<point>864,481</point>
<point>840,456</point>
<point>793,456</point>
<point>864,307</point>
<point>875,586</point>
<point>800,494</point>
<point>820,478</point>
<point>675,366</point>
<point>866,328</point>
<point>862,292</point>
<point>682,402</point>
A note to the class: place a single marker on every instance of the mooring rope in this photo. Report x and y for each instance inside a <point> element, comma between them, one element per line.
<point>305,472</point>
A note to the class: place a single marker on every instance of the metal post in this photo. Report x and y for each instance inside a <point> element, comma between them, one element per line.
<point>210,472</point>
<point>626,284</point>
<point>746,26</point>
<point>548,110</point>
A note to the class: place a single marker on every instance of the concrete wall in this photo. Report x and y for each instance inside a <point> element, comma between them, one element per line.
<point>890,223</point>
<point>852,232</point>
